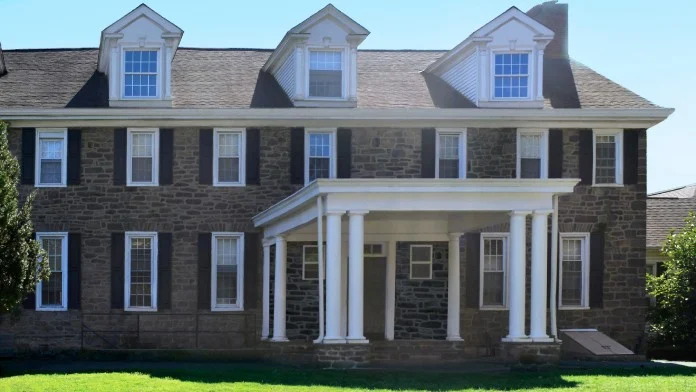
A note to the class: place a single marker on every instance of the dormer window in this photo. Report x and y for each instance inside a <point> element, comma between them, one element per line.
<point>140,73</point>
<point>325,74</point>
<point>511,76</point>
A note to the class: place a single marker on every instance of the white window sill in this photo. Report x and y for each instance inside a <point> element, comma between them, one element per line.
<point>51,309</point>
<point>573,308</point>
<point>229,309</point>
<point>50,185</point>
<point>325,103</point>
<point>487,308</point>
<point>140,309</point>
<point>137,184</point>
<point>229,184</point>
<point>608,185</point>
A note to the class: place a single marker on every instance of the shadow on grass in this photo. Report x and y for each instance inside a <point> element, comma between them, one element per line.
<point>214,373</point>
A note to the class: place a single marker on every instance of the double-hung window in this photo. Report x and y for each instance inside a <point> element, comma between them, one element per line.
<point>608,157</point>
<point>450,150</point>
<point>511,76</point>
<point>494,263</point>
<point>320,154</point>
<point>574,270</point>
<point>52,293</point>
<point>227,271</point>
<point>140,73</point>
<point>421,262</point>
<point>51,157</point>
<point>143,157</point>
<point>141,271</point>
<point>325,74</point>
<point>532,153</point>
<point>310,262</point>
<point>228,162</point>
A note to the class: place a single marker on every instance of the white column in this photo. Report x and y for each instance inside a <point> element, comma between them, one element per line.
<point>266,315</point>
<point>453,293</point>
<point>356,240</point>
<point>517,273</point>
<point>537,328</point>
<point>333,278</point>
<point>390,291</point>
<point>114,74</point>
<point>279,292</point>
<point>344,288</point>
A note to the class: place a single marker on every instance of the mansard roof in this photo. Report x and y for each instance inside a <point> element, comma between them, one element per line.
<point>232,78</point>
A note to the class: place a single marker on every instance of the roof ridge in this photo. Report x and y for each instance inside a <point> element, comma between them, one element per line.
<point>671,189</point>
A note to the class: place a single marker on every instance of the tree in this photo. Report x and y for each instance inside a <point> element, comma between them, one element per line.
<point>22,261</point>
<point>673,318</point>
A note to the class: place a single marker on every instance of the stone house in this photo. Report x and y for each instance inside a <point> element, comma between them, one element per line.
<point>318,202</point>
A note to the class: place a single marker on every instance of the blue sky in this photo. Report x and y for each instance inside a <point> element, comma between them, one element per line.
<point>646,46</point>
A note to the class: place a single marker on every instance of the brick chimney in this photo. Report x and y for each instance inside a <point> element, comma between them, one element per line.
<point>3,68</point>
<point>554,16</point>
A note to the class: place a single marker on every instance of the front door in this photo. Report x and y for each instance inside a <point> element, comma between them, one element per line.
<point>375,278</point>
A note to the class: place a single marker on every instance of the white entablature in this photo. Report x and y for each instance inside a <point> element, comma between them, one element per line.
<point>473,69</point>
<point>325,43</point>
<point>136,54</point>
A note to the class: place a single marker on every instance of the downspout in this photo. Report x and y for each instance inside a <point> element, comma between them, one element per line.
<point>320,249</point>
<point>554,267</point>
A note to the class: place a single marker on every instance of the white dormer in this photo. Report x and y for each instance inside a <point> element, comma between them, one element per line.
<point>136,54</point>
<point>316,62</point>
<point>501,64</point>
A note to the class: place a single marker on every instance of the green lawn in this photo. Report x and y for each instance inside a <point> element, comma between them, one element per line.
<point>113,377</point>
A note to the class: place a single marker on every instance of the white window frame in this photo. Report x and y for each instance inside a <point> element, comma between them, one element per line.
<point>411,262</point>
<point>239,306</point>
<point>304,262</point>
<point>332,156</point>
<point>506,268</point>
<point>155,157</point>
<point>461,132</point>
<point>64,270</point>
<point>242,156</point>
<point>544,153</point>
<point>344,70</point>
<point>53,133</point>
<point>129,235</point>
<point>618,142</point>
<point>383,252</point>
<point>158,49</point>
<point>585,294</point>
<point>531,71</point>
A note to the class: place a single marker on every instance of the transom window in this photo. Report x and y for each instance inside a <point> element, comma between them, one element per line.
<point>228,163</point>
<point>451,153</point>
<point>141,271</point>
<point>532,150</point>
<point>227,271</point>
<point>51,157</point>
<point>574,270</point>
<point>140,73</point>
<point>493,271</point>
<point>325,74</point>
<point>608,167</point>
<point>52,292</point>
<point>421,262</point>
<point>143,149</point>
<point>320,155</point>
<point>511,75</point>
<point>310,262</point>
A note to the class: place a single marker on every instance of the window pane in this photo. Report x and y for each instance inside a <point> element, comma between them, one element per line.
<point>325,84</point>
<point>141,272</point>
<point>140,73</point>
<point>141,170</point>
<point>448,155</point>
<point>493,272</point>
<point>228,144</point>
<point>52,289</point>
<point>420,271</point>
<point>511,80</point>
<point>50,171</point>
<point>228,170</point>
<point>493,283</point>
<point>311,271</point>
<point>226,270</point>
<point>420,253</point>
<point>319,145</point>
<point>572,272</point>
<point>605,159</point>
<point>530,168</point>
<point>51,155</point>
<point>318,168</point>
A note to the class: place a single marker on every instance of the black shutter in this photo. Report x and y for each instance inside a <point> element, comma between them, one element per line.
<point>555,153</point>
<point>204,242</point>
<point>428,153</point>
<point>74,268</point>
<point>473,269</point>
<point>118,261</point>
<point>344,152</point>
<point>253,156</point>
<point>549,253</point>
<point>586,160</point>
<point>630,169</point>
<point>205,156</point>
<point>164,271</point>
<point>251,270</point>
<point>597,270</point>
<point>659,268</point>
<point>297,155</point>
<point>28,155</point>
<point>74,148</point>
<point>166,158</point>
<point>120,155</point>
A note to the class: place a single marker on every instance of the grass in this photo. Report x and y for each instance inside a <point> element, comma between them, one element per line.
<point>114,377</point>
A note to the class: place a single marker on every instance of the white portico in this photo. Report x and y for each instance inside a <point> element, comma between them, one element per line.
<point>391,210</point>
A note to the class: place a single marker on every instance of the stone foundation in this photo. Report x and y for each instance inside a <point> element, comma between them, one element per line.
<point>342,356</point>
<point>527,353</point>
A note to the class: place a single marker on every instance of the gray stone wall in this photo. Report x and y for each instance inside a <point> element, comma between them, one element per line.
<point>386,153</point>
<point>302,301</point>
<point>421,304</point>
<point>491,153</point>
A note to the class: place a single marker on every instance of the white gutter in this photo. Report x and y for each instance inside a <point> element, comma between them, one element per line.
<point>334,117</point>
<point>554,267</point>
<point>320,249</point>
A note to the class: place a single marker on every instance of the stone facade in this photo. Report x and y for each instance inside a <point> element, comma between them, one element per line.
<point>302,300</point>
<point>491,153</point>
